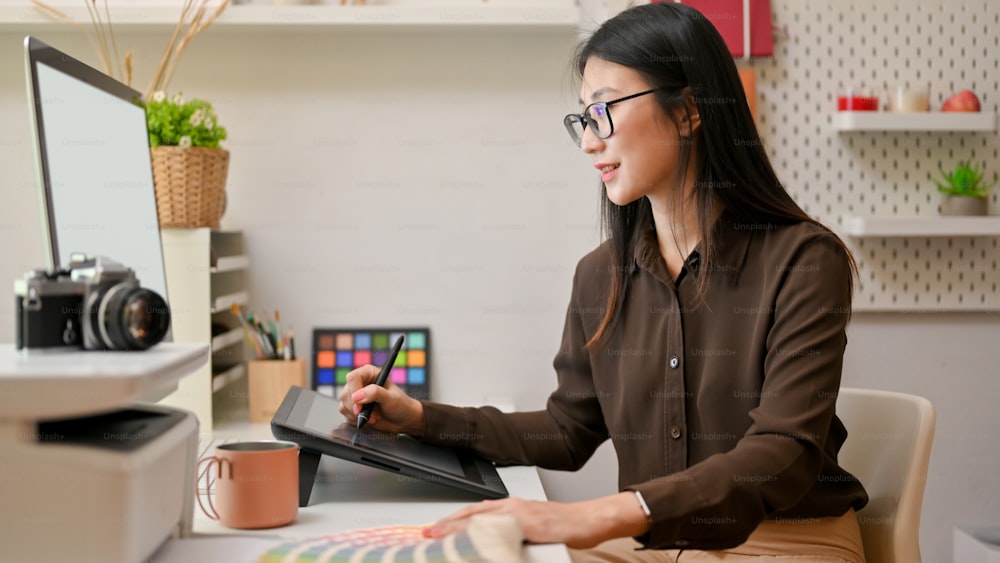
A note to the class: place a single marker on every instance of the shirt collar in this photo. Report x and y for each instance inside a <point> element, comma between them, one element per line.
<point>732,244</point>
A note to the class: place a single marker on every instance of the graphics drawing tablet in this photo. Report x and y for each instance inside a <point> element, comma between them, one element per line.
<point>312,420</point>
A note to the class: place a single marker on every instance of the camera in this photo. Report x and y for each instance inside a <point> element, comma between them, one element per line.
<point>94,304</point>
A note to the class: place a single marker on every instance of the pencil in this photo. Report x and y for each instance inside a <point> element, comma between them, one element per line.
<point>235,309</point>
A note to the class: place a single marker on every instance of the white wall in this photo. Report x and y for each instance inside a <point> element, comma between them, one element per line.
<point>425,178</point>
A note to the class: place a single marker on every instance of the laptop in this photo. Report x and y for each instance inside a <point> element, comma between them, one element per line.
<point>311,420</point>
<point>93,164</point>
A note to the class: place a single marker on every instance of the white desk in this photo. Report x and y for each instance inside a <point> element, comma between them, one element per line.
<point>350,496</point>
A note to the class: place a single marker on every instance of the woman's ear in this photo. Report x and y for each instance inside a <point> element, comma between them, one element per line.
<point>689,118</point>
<point>695,117</point>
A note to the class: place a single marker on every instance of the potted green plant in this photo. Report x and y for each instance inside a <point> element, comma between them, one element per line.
<point>963,192</point>
<point>189,166</point>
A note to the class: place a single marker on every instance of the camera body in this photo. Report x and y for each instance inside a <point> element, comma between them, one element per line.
<point>94,304</point>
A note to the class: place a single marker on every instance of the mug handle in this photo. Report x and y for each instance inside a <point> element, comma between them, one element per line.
<point>212,460</point>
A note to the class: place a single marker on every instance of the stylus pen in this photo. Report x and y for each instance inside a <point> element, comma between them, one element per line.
<point>383,376</point>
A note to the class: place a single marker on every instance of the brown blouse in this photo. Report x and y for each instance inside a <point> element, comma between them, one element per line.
<point>721,415</point>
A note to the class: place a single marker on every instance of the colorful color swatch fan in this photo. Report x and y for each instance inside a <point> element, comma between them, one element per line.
<point>488,537</point>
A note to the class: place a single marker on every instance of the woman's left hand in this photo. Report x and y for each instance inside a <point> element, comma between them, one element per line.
<point>579,525</point>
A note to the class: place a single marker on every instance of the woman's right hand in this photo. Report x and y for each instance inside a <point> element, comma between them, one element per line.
<point>395,411</point>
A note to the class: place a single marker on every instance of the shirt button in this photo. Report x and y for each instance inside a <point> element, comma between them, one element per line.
<point>674,362</point>
<point>675,432</point>
<point>693,262</point>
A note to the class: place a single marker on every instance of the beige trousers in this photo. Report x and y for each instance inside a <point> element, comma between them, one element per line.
<point>821,540</point>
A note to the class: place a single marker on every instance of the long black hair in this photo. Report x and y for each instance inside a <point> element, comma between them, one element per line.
<point>681,54</point>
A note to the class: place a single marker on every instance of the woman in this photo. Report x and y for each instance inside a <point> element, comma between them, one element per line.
<point>705,337</point>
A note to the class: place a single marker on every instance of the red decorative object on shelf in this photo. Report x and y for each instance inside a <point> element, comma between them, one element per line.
<point>857,103</point>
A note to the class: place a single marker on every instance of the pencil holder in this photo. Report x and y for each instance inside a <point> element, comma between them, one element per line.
<point>268,381</point>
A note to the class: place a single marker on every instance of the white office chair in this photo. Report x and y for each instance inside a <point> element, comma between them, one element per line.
<point>888,448</point>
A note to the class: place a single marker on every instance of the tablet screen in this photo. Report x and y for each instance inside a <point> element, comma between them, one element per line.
<point>324,419</point>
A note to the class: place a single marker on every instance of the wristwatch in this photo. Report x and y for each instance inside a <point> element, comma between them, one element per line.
<point>643,505</point>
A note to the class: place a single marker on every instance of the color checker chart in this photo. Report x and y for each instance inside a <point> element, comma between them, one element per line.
<point>338,351</point>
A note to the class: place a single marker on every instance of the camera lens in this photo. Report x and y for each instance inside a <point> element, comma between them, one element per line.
<point>134,318</point>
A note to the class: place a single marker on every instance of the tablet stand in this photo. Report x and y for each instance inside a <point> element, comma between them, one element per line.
<point>308,465</point>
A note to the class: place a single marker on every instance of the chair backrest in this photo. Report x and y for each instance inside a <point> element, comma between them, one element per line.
<point>888,449</point>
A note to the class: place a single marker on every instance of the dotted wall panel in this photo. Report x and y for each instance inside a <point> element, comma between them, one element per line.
<point>821,47</point>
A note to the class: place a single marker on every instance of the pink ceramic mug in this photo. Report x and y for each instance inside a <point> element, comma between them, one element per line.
<point>256,484</point>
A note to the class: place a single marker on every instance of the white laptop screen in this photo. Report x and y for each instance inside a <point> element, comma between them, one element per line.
<point>94,162</point>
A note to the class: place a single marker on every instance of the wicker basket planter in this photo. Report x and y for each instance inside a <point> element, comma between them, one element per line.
<point>190,185</point>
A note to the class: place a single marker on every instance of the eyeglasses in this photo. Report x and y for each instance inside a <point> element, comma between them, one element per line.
<point>596,116</point>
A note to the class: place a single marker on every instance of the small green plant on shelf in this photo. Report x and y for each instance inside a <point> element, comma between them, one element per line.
<point>965,181</point>
<point>185,123</point>
<point>963,192</point>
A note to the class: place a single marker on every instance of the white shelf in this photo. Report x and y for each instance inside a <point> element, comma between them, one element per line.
<point>21,15</point>
<point>930,226</point>
<point>233,374</point>
<point>199,300</point>
<point>925,121</point>
<point>225,339</point>
<point>225,302</point>
<point>230,264</point>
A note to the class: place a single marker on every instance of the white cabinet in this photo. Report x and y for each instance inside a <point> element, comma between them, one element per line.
<point>976,544</point>
<point>206,276</point>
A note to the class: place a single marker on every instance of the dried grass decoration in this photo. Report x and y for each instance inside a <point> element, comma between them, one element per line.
<point>189,166</point>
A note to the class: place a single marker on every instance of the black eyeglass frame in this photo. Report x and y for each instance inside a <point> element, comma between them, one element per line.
<point>588,121</point>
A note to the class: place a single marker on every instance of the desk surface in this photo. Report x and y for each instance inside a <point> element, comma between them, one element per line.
<point>351,496</point>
